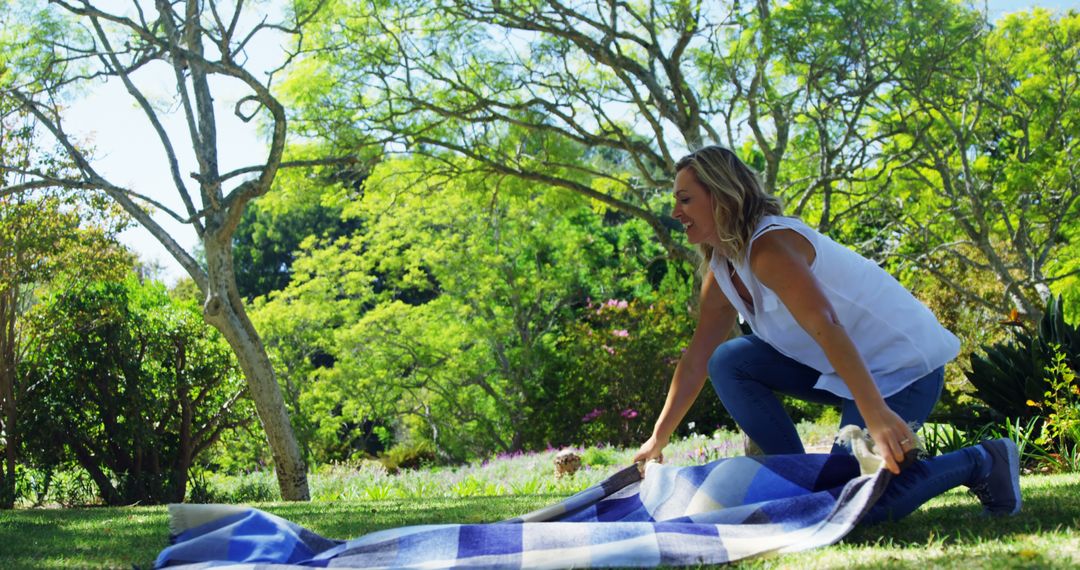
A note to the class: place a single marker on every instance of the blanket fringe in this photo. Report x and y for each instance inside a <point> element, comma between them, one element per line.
<point>185,516</point>
<point>862,447</point>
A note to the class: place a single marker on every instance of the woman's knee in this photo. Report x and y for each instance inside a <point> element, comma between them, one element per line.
<point>726,361</point>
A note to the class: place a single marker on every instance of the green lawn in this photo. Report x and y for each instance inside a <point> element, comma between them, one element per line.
<point>946,533</point>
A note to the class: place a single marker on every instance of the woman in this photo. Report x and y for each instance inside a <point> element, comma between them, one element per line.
<point>828,325</point>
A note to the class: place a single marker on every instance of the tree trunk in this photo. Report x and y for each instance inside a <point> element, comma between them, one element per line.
<point>8,370</point>
<point>224,309</point>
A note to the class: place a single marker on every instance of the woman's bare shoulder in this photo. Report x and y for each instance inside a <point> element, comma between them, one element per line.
<point>779,248</point>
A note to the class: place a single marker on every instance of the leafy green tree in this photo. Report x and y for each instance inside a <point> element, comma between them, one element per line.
<point>806,80</point>
<point>600,99</point>
<point>271,230</point>
<point>987,123</point>
<point>439,316</point>
<point>539,91</point>
<point>49,52</point>
<point>48,239</point>
<point>130,385</point>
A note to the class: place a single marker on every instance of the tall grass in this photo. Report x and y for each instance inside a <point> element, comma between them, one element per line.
<point>505,474</point>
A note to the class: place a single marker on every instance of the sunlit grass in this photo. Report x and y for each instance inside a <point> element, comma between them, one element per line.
<point>948,532</point>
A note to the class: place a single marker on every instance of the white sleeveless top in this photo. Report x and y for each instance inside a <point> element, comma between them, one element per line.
<point>898,337</point>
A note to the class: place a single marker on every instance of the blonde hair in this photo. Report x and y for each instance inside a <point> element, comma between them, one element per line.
<point>739,201</point>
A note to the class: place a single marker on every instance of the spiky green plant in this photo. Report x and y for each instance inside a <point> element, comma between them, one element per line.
<point>1009,374</point>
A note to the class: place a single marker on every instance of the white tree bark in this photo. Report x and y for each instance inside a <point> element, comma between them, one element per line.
<point>198,40</point>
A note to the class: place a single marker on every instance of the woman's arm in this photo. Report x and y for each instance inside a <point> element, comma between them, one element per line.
<point>715,321</point>
<point>781,260</point>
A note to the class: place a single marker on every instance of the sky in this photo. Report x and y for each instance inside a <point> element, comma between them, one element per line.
<point>107,117</point>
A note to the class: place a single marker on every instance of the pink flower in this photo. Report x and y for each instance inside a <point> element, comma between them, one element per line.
<point>629,413</point>
<point>621,332</point>
<point>592,415</point>
<point>609,349</point>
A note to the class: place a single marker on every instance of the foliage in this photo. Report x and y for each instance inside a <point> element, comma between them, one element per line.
<point>408,456</point>
<point>271,231</point>
<point>48,238</point>
<point>608,373</point>
<point>44,241</point>
<point>917,132</point>
<point>938,439</point>
<point>1010,374</point>
<point>128,384</point>
<point>50,53</point>
<point>440,315</point>
<point>982,125</point>
<point>1060,410</point>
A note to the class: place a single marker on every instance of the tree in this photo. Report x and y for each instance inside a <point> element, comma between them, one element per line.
<point>130,384</point>
<point>452,80</point>
<point>988,125</point>
<point>441,315</point>
<point>272,229</point>
<point>601,98</point>
<point>48,240</point>
<point>199,43</point>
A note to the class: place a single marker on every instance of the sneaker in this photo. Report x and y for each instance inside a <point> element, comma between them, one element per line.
<point>999,492</point>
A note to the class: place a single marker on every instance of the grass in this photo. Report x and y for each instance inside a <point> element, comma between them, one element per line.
<point>950,532</point>
<point>947,532</point>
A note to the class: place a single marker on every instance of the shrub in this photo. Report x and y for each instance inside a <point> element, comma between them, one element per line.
<point>1010,374</point>
<point>128,384</point>
<point>597,456</point>
<point>408,456</point>
<point>608,373</point>
<point>1061,413</point>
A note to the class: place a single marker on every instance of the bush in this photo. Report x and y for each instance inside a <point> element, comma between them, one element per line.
<point>607,376</point>
<point>599,456</point>
<point>408,456</point>
<point>1013,373</point>
<point>128,384</point>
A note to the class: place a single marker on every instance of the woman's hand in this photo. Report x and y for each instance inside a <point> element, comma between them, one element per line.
<point>650,450</point>
<point>892,436</point>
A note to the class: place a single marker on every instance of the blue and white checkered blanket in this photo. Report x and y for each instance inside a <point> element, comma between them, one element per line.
<point>724,511</point>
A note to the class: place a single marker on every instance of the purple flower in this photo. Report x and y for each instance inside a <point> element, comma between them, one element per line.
<point>592,415</point>
<point>629,413</point>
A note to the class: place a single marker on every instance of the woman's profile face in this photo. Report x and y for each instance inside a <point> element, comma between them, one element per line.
<point>694,208</point>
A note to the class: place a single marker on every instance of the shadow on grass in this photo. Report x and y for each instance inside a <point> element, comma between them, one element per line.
<point>947,532</point>
<point>126,537</point>
<point>82,538</point>
<point>956,517</point>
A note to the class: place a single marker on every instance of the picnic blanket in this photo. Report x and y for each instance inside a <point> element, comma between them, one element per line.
<point>724,511</point>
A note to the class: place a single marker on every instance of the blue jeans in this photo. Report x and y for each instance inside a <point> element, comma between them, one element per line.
<point>747,373</point>
<point>924,480</point>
